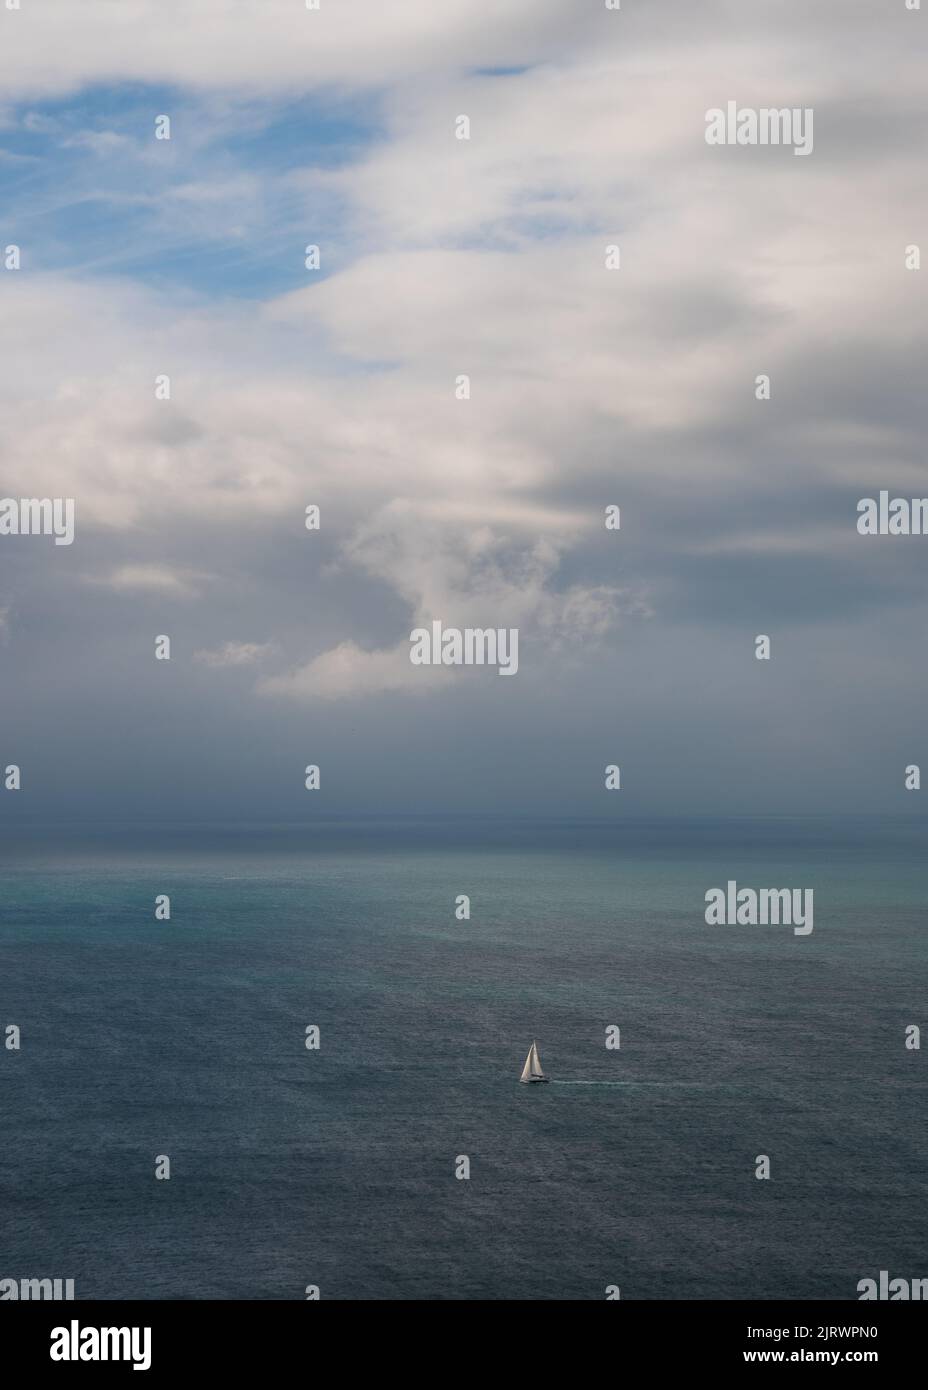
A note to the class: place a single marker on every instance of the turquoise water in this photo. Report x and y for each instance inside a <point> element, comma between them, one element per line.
<point>337,1167</point>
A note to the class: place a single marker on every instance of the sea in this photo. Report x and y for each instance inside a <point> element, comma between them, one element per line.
<point>401,1158</point>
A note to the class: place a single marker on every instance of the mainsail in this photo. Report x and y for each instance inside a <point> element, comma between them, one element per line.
<point>532,1070</point>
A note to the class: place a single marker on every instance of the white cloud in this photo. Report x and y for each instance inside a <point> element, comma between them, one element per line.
<point>486,258</point>
<point>268,45</point>
<point>153,578</point>
<point>347,671</point>
<point>104,143</point>
<point>466,579</point>
<point>233,654</point>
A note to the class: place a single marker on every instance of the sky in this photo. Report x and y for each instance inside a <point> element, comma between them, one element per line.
<point>335,386</point>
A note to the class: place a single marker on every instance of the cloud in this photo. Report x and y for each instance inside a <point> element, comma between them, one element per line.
<point>280,47</point>
<point>476,578</point>
<point>268,45</point>
<point>104,143</point>
<point>347,672</point>
<point>233,654</point>
<point>483,258</point>
<point>152,578</point>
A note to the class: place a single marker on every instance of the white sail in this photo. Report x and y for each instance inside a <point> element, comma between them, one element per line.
<point>532,1070</point>
<point>536,1063</point>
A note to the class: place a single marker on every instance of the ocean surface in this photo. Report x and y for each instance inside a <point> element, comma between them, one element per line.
<point>336,1167</point>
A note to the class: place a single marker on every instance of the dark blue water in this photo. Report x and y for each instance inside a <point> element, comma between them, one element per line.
<point>336,1168</point>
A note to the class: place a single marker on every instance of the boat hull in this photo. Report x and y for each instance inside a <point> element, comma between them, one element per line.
<point>534,1080</point>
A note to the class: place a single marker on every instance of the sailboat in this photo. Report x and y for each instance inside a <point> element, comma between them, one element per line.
<point>532,1070</point>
